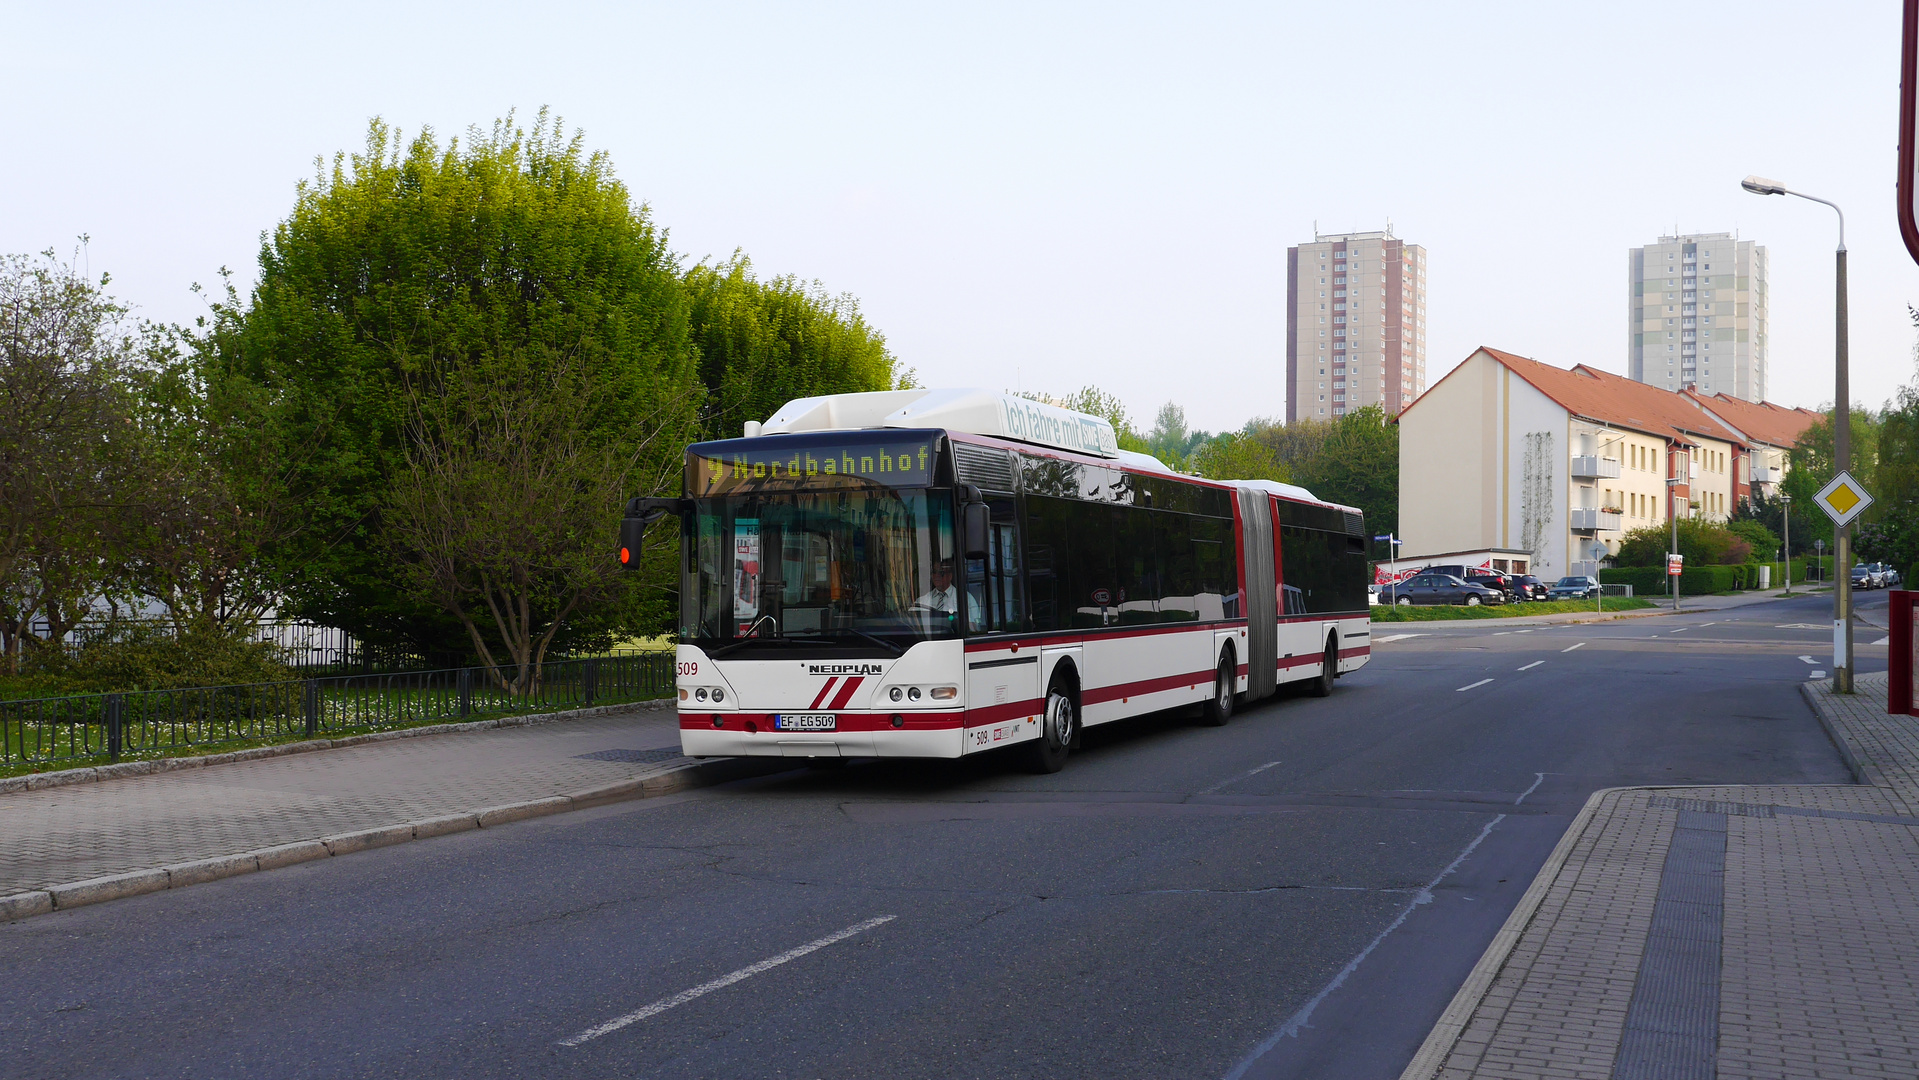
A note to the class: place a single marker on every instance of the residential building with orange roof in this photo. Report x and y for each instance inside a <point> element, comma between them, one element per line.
<point>1507,452</point>
<point>1770,432</point>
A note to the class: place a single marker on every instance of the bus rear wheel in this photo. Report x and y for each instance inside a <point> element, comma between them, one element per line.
<point>1328,669</point>
<point>1219,708</point>
<point>1057,730</point>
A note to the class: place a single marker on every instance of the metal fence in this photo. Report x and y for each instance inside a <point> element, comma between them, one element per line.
<point>151,722</point>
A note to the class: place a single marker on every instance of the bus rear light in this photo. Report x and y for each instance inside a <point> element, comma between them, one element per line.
<point>945,693</point>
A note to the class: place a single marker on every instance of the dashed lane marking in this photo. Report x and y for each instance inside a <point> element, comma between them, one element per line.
<point>1681,630</point>
<point>1570,648</point>
<point>723,981</point>
<point>1469,686</point>
<point>1394,637</point>
<point>1532,665</point>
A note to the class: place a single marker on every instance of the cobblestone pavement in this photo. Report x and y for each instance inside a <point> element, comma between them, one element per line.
<point>73,833</point>
<point>1794,954</point>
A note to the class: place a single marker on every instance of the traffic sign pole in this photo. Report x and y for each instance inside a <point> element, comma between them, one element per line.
<point>1843,499</point>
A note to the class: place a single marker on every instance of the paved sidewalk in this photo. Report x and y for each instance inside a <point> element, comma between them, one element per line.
<point>1694,933</point>
<point>69,834</point>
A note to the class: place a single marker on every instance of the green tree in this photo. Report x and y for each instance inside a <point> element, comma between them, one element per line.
<point>1702,542</point>
<point>66,356</point>
<point>1353,459</point>
<point>764,343</point>
<point>1237,456</point>
<point>408,279</point>
<point>1811,466</point>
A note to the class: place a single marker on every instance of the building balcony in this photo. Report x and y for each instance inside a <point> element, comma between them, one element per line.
<point>1765,474</point>
<point>1589,467</point>
<point>1591,518</point>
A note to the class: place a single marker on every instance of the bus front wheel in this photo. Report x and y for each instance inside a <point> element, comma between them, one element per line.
<point>1057,730</point>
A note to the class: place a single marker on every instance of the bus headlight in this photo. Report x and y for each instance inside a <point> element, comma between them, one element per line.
<point>913,694</point>
<point>700,693</point>
<point>719,694</point>
<point>896,693</point>
<point>945,693</point>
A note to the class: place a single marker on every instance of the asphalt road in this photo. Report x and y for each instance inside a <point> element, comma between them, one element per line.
<point>1295,895</point>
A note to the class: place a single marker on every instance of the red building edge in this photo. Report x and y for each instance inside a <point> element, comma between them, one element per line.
<point>1901,664</point>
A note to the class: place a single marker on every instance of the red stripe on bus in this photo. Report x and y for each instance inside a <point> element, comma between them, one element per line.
<point>763,722</point>
<point>1010,710</point>
<point>846,691</point>
<point>984,644</point>
<point>1095,695</point>
<point>824,690</point>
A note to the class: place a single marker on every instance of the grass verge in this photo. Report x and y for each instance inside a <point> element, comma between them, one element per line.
<point>1382,613</point>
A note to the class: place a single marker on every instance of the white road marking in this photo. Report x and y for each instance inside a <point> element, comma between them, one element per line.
<point>1247,775</point>
<point>724,981</point>
<point>1299,1019</point>
<point>1538,779</point>
<point>1817,675</point>
<point>1802,626</point>
<point>1809,660</point>
<point>1394,637</point>
<point>1681,630</point>
<point>1481,682</point>
<point>1532,665</point>
<point>1525,631</point>
<point>1715,622</point>
<point>1887,640</point>
<point>1570,648</point>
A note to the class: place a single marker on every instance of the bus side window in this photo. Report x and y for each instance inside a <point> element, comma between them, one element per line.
<point>1009,613</point>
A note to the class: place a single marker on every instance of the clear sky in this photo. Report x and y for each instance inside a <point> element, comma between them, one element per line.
<point>1038,196</point>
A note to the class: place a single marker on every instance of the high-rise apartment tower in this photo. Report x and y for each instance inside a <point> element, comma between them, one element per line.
<point>1697,305</point>
<point>1355,325</point>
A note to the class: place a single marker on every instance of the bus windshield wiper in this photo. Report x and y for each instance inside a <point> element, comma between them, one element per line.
<point>875,639</point>
<point>751,636</point>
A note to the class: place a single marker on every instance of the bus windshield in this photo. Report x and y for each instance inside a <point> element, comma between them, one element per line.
<point>868,567</point>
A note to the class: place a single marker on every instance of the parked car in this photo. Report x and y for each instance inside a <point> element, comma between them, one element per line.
<point>1529,587</point>
<point>1492,579</point>
<point>1430,588</point>
<point>1884,574</point>
<point>1372,594</point>
<point>1894,579</point>
<point>1863,577</point>
<point>1573,588</point>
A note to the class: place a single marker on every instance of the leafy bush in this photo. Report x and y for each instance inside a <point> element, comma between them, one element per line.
<point>151,657</point>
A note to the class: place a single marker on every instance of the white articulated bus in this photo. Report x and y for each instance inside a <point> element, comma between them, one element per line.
<point>935,573</point>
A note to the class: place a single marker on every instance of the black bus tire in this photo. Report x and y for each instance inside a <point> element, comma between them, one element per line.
<point>1058,728</point>
<point>1219,708</point>
<point>1328,669</point>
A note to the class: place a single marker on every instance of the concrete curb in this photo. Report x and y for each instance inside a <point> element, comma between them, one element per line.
<point>1862,772</point>
<point>686,777</point>
<point>95,773</point>
<point>1452,1023</point>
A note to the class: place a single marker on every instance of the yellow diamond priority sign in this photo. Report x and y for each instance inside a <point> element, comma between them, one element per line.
<point>1843,499</point>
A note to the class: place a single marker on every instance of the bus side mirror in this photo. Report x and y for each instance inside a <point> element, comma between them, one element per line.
<point>974,521</point>
<point>640,515</point>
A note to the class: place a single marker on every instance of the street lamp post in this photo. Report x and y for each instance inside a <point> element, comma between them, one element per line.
<point>1672,499</point>
<point>1841,442</point>
<point>1787,515</point>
